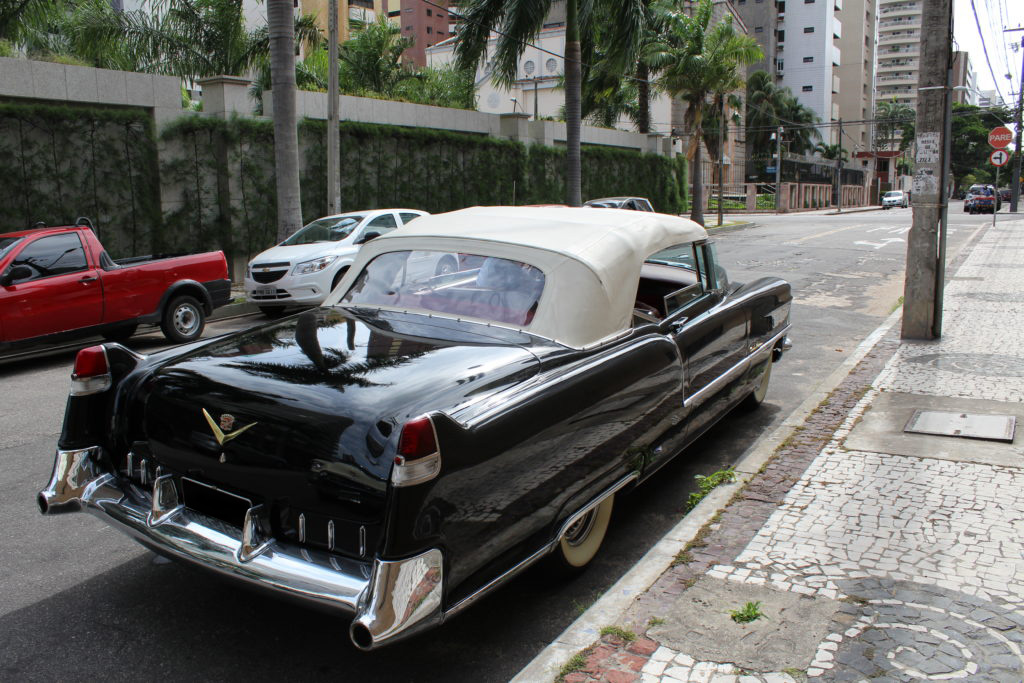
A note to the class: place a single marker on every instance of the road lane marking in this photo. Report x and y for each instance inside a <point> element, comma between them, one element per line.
<point>883,243</point>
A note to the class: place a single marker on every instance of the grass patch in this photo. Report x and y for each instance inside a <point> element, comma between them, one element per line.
<point>575,663</point>
<point>748,613</point>
<point>682,557</point>
<point>796,673</point>
<point>619,632</point>
<point>899,302</point>
<point>706,484</point>
<point>655,621</point>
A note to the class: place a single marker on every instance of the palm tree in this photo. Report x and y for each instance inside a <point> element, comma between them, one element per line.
<point>372,58</point>
<point>701,62</point>
<point>187,38</point>
<point>281,31</point>
<point>891,117</point>
<point>520,22</point>
<point>833,152</point>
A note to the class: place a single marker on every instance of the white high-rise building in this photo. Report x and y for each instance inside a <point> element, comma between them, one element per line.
<point>899,51</point>
<point>808,55</point>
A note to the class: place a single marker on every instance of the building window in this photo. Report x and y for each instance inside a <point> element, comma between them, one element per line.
<point>779,65</point>
<point>551,65</point>
<point>782,36</point>
<point>429,13</point>
<point>808,2</point>
<point>529,67</point>
<point>808,29</point>
<point>808,88</point>
<point>430,29</point>
<point>408,28</point>
<point>759,29</point>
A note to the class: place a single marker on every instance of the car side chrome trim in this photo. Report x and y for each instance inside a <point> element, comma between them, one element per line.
<point>735,371</point>
<point>544,550</point>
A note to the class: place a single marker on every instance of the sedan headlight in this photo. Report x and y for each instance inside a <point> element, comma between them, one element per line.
<point>314,266</point>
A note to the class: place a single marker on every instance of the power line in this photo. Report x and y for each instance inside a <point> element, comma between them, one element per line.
<point>984,47</point>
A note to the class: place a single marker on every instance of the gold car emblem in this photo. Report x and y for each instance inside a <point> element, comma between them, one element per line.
<point>227,422</point>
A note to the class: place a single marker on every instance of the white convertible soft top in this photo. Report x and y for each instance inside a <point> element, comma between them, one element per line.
<point>590,258</point>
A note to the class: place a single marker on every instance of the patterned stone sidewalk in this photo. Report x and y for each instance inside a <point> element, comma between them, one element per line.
<point>916,559</point>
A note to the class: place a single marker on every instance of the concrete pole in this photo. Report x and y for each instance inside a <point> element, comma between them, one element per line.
<point>1015,197</point>
<point>536,108</point>
<point>721,157</point>
<point>333,120</point>
<point>839,171</point>
<point>922,284</point>
<point>778,166</point>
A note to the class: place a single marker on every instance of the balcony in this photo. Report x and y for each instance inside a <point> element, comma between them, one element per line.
<point>836,54</point>
<point>896,65</point>
<point>837,28</point>
<point>905,9</point>
<point>893,24</point>
<point>898,79</point>
<point>908,37</point>
<point>913,50</point>
<point>835,85</point>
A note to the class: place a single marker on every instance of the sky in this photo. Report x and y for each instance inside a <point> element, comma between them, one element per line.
<point>994,16</point>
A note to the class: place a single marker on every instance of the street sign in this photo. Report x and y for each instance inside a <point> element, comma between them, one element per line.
<point>769,169</point>
<point>1000,137</point>
<point>999,157</point>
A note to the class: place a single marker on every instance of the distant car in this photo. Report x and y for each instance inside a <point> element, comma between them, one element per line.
<point>632,203</point>
<point>302,270</point>
<point>895,198</point>
<point>982,199</point>
<point>1005,194</point>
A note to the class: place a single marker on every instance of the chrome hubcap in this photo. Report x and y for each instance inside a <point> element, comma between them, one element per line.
<point>186,319</point>
<point>579,530</point>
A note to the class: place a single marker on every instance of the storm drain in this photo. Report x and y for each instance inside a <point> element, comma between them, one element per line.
<point>966,425</point>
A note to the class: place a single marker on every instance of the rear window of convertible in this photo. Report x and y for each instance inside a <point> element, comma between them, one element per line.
<point>462,285</point>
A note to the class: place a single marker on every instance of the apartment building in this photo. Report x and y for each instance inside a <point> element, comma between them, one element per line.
<point>807,55</point>
<point>899,51</point>
<point>965,80</point>
<point>856,71</point>
<point>426,24</point>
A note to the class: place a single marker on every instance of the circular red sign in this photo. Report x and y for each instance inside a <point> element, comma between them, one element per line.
<point>1000,137</point>
<point>999,157</point>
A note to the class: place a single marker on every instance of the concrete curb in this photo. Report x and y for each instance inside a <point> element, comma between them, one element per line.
<point>609,608</point>
<point>730,228</point>
<point>859,209</point>
<point>233,311</point>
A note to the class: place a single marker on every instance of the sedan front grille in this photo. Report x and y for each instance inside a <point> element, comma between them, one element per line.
<point>267,277</point>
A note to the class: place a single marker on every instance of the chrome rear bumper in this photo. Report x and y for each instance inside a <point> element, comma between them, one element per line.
<point>387,598</point>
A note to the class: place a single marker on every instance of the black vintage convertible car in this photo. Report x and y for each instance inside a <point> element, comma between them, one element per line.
<point>420,438</point>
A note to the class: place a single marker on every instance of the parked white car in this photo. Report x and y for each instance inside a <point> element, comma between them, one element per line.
<point>302,270</point>
<point>895,198</point>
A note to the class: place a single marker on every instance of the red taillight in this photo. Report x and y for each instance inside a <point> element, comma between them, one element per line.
<point>418,458</point>
<point>417,440</point>
<point>91,362</point>
<point>92,372</point>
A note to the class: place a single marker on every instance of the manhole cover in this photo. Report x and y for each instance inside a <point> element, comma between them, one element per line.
<point>965,425</point>
<point>988,364</point>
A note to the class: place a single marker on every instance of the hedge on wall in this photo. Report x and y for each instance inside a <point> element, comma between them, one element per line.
<point>61,162</point>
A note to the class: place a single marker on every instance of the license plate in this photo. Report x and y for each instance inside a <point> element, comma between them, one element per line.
<point>265,291</point>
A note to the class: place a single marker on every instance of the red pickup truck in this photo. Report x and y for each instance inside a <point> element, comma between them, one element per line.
<point>59,283</point>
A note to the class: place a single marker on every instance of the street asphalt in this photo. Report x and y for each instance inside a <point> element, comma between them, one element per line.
<point>863,551</point>
<point>74,586</point>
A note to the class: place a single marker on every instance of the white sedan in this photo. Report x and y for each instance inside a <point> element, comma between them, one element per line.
<point>303,269</point>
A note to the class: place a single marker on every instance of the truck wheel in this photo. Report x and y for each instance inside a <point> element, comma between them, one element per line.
<point>756,397</point>
<point>581,541</point>
<point>121,334</point>
<point>183,320</point>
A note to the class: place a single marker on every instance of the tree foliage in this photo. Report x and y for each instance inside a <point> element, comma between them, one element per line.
<point>769,106</point>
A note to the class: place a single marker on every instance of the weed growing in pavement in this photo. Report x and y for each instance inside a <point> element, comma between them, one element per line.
<point>748,613</point>
<point>655,621</point>
<point>797,674</point>
<point>575,663</point>
<point>707,483</point>
<point>619,632</point>
<point>899,302</point>
<point>682,557</point>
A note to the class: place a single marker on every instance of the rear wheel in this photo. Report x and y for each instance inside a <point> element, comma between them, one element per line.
<point>581,541</point>
<point>756,397</point>
<point>183,320</point>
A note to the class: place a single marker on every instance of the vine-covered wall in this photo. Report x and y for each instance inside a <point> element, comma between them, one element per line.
<point>215,177</point>
<point>58,163</point>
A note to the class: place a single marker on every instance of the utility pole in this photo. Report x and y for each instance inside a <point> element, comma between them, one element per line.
<point>1015,197</point>
<point>536,108</point>
<point>333,144</point>
<point>778,166</point>
<point>839,170</point>
<point>924,278</point>
<point>721,156</point>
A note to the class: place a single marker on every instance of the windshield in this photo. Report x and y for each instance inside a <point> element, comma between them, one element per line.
<point>325,230</point>
<point>680,255</point>
<point>470,285</point>
<point>893,194</point>
<point>6,243</point>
